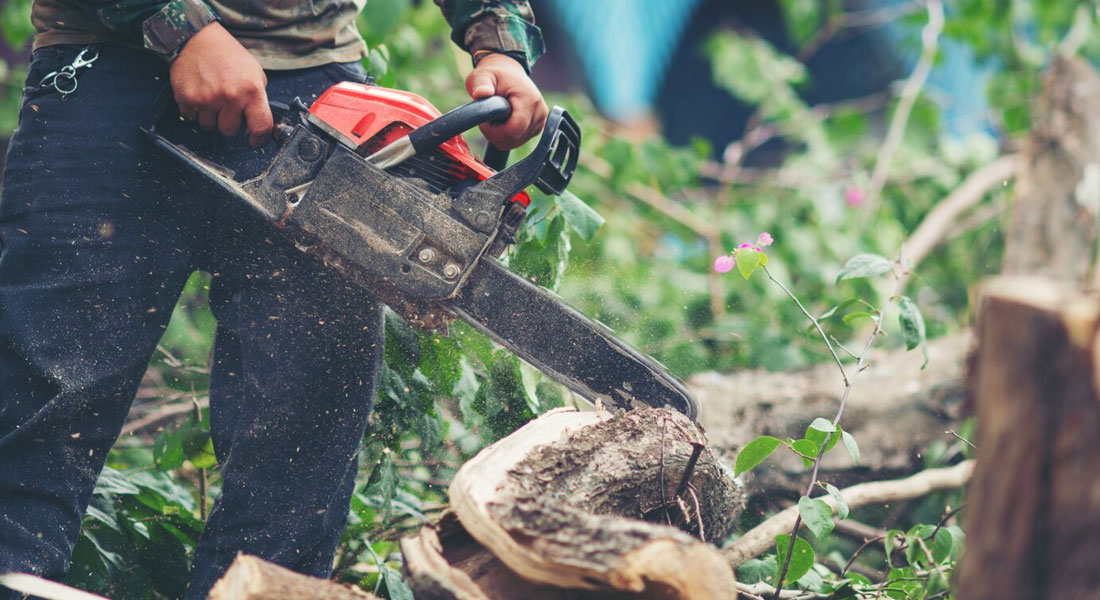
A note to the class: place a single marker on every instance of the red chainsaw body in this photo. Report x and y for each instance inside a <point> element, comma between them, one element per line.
<point>373,116</point>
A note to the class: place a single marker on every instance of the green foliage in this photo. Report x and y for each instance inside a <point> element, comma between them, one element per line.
<point>802,556</point>
<point>851,446</point>
<point>864,265</point>
<point>912,326</point>
<point>137,536</point>
<point>817,515</point>
<point>754,453</point>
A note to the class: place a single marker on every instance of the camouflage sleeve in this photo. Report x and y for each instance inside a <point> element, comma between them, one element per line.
<point>506,26</point>
<point>162,26</point>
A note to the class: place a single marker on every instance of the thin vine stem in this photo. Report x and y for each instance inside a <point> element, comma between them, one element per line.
<point>848,385</point>
<point>817,325</point>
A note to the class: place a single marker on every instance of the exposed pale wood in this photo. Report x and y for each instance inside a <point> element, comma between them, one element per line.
<point>560,502</point>
<point>32,585</point>
<point>893,393</point>
<point>761,538</point>
<point>1054,223</point>
<point>250,578</point>
<point>1033,525</point>
<point>443,562</point>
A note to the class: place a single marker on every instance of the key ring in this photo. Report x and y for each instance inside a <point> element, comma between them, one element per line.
<point>64,79</point>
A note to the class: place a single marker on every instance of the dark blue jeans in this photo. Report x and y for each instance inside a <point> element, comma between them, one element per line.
<point>98,233</point>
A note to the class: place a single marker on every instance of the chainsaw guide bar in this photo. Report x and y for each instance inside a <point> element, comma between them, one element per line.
<point>423,231</point>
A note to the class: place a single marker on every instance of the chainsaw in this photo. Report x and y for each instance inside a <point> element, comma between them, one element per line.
<point>380,186</point>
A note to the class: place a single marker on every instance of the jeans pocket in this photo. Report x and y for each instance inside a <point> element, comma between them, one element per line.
<point>43,62</point>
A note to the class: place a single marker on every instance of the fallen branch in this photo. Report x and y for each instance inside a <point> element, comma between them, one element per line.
<point>762,537</point>
<point>165,412</point>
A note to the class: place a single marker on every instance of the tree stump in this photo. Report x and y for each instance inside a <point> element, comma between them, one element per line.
<point>1033,526</point>
<point>1054,222</point>
<point>582,502</point>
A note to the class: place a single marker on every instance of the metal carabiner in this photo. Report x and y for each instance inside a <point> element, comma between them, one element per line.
<point>80,62</point>
<point>64,79</point>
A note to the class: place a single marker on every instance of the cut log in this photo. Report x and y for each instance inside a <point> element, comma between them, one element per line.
<point>1033,526</point>
<point>564,502</point>
<point>250,578</point>
<point>893,393</point>
<point>443,562</point>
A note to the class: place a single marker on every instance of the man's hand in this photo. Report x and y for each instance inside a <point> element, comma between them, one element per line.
<point>501,75</point>
<point>219,84</point>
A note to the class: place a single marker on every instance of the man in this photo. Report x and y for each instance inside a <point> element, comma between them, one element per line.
<point>99,232</point>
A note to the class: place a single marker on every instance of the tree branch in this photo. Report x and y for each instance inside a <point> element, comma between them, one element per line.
<point>762,537</point>
<point>930,44</point>
<point>937,223</point>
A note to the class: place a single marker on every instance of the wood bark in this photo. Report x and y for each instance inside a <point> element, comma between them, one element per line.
<point>1054,223</point>
<point>250,578</point>
<point>1033,529</point>
<point>894,393</point>
<point>581,501</point>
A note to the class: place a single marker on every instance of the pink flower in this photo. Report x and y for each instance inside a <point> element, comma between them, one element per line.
<point>746,245</point>
<point>855,197</point>
<point>724,263</point>
<point>765,239</point>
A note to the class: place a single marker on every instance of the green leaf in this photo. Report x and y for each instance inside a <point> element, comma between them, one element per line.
<point>757,570</point>
<point>395,586</point>
<point>542,262</point>
<point>802,558</point>
<point>841,504</point>
<point>440,362</point>
<point>817,515</point>
<point>383,483</point>
<point>891,540</point>
<point>754,453</point>
<point>803,18</point>
<point>912,326</point>
<point>848,318</point>
<point>947,544</point>
<point>112,482</point>
<point>579,217</point>
<point>198,447</point>
<point>377,65</point>
<point>748,260</point>
<point>864,265</point>
<point>823,425</point>
<point>807,449</point>
<point>818,436</point>
<point>851,446</point>
<point>832,311</point>
<point>168,450</point>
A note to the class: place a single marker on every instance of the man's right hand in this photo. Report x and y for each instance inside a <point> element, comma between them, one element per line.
<point>221,85</point>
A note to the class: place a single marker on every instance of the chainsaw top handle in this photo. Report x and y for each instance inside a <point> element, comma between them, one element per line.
<point>486,110</point>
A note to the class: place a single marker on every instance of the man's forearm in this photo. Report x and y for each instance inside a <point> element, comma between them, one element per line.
<point>163,27</point>
<point>506,26</point>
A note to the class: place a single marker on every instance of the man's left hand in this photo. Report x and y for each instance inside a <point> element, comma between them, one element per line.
<point>502,75</point>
